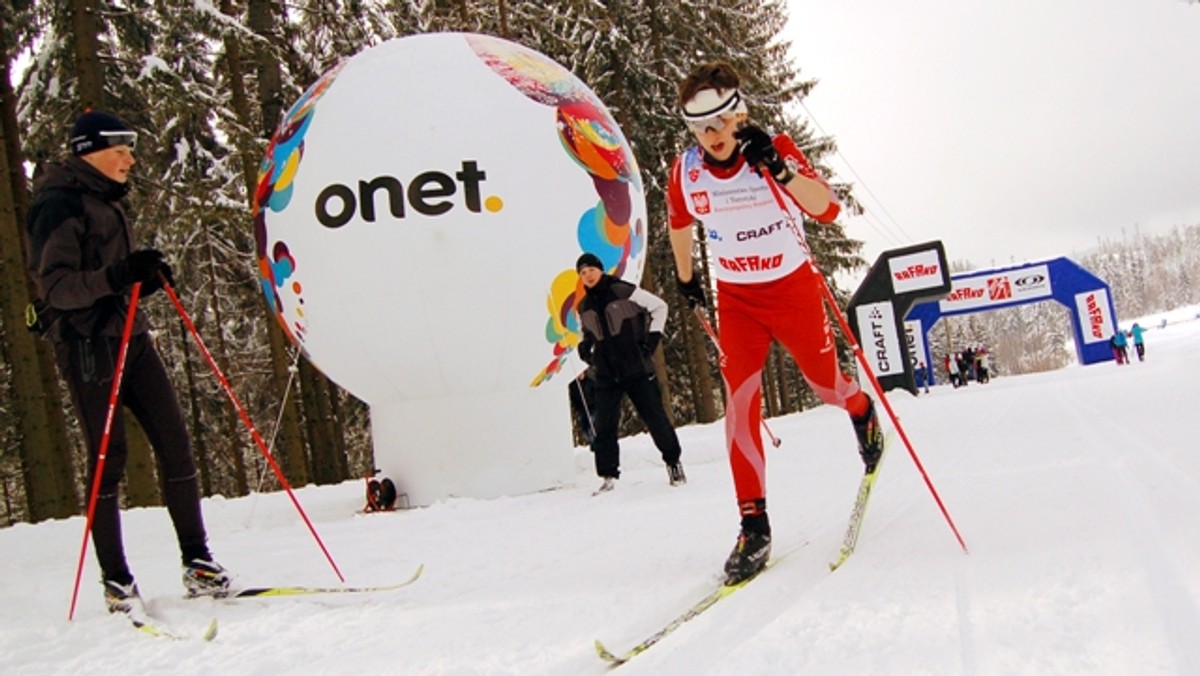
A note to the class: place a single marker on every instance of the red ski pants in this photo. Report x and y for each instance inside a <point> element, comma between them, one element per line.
<point>791,311</point>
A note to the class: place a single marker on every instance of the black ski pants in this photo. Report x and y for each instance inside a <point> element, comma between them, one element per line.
<point>146,390</point>
<point>643,392</point>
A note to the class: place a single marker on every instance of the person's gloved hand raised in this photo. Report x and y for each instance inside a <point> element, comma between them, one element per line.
<point>692,291</point>
<point>139,266</point>
<point>758,149</point>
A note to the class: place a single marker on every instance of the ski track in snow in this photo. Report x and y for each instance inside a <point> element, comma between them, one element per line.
<point>1123,452</point>
<point>964,585</point>
<point>1075,490</point>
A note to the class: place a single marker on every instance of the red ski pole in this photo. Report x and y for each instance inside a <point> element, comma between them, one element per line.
<point>262,446</point>
<point>113,397</point>
<point>862,359</point>
<point>712,335</point>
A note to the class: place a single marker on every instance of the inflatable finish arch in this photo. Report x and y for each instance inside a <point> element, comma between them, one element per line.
<point>1089,299</point>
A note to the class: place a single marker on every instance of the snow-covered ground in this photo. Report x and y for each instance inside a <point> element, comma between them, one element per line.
<point>1077,492</point>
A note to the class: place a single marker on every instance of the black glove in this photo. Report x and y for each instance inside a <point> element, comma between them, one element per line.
<point>693,292</point>
<point>156,282</point>
<point>759,150</point>
<point>585,351</point>
<point>651,341</point>
<point>138,266</point>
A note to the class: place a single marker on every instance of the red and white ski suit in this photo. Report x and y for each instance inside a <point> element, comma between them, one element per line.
<point>766,289</point>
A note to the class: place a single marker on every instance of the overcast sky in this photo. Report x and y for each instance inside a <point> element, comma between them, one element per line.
<point>1014,130</point>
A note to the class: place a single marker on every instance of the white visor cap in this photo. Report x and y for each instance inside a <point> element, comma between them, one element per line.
<point>709,103</point>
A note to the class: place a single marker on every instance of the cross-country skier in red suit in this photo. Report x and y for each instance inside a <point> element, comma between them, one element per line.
<point>767,286</point>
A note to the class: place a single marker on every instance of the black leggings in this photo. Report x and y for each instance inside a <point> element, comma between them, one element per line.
<point>146,390</point>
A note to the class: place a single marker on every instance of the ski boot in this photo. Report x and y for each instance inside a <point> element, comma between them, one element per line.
<point>121,598</point>
<point>870,437</point>
<point>753,548</point>
<point>204,577</point>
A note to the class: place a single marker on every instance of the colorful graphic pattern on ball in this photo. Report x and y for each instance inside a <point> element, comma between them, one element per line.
<point>277,266</point>
<point>587,133</point>
<point>593,140</point>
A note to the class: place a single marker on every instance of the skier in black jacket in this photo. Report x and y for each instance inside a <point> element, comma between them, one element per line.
<point>83,263</point>
<point>622,327</point>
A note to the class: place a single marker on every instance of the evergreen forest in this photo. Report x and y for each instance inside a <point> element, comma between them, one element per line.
<point>206,82</point>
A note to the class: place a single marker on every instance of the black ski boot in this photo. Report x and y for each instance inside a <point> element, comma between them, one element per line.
<point>753,548</point>
<point>870,437</point>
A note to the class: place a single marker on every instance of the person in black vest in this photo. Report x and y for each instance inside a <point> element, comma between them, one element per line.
<point>622,327</point>
<point>84,264</point>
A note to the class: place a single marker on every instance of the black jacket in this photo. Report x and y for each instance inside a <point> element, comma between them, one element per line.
<point>617,319</point>
<point>77,228</point>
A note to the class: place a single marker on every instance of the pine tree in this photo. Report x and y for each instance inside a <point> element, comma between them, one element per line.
<point>206,85</point>
<point>36,445</point>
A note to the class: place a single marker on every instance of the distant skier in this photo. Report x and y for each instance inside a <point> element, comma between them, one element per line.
<point>1120,347</point>
<point>983,365</point>
<point>622,327</point>
<point>952,371</point>
<point>964,371</point>
<point>1139,341</point>
<point>922,376</point>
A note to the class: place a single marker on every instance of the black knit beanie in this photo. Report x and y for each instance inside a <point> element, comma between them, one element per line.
<point>97,130</point>
<point>588,260</point>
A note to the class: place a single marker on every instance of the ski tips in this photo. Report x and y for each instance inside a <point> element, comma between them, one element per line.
<point>606,655</point>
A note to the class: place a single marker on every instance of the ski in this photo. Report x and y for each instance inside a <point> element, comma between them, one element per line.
<point>859,512</point>
<point>262,592</point>
<point>145,624</point>
<point>721,592</point>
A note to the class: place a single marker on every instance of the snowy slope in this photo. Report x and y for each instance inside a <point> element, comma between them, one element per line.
<point>1076,492</point>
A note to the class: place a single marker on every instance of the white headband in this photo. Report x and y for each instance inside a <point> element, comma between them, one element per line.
<point>712,102</point>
